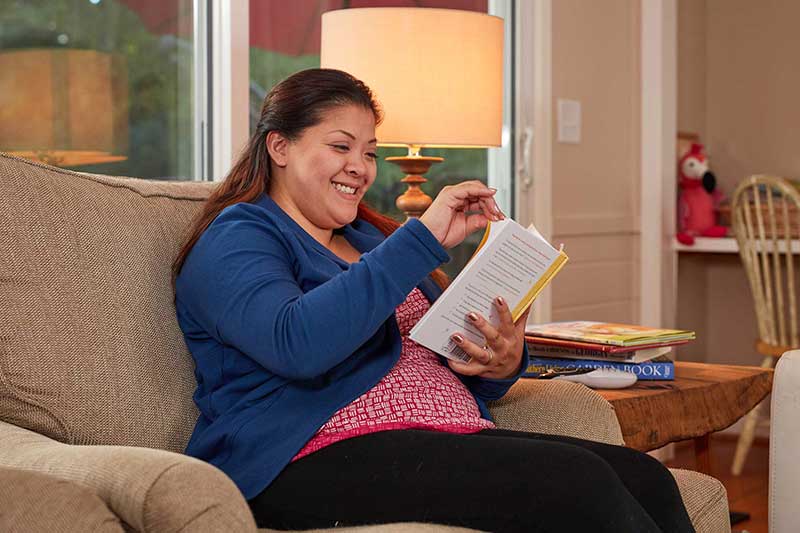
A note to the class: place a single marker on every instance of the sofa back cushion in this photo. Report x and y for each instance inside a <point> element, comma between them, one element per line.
<point>90,349</point>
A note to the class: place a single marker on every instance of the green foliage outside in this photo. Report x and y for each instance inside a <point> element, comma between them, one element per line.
<point>159,75</point>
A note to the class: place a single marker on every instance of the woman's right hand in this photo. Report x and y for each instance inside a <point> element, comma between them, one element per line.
<point>460,209</point>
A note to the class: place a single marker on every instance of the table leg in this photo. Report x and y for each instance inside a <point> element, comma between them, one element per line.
<point>702,454</point>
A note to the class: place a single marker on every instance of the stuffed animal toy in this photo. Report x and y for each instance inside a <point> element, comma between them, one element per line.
<point>697,204</point>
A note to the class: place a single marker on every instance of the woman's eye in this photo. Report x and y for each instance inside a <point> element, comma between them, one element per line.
<point>341,147</point>
<point>372,155</point>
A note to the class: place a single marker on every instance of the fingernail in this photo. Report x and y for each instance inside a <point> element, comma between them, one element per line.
<point>492,189</point>
<point>472,317</point>
<point>500,300</point>
<point>456,338</point>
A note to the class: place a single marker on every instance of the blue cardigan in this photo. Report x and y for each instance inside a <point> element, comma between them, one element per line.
<point>284,333</point>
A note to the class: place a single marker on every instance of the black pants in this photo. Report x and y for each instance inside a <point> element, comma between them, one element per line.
<point>494,480</point>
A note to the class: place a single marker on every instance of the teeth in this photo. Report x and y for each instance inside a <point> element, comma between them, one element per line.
<point>344,188</point>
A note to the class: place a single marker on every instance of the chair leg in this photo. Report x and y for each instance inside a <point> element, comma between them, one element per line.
<point>745,440</point>
<point>749,431</point>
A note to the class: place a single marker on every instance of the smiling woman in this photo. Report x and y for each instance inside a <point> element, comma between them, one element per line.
<point>320,178</point>
<point>307,297</point>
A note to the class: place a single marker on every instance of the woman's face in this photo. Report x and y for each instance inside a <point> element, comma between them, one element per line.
<point>323,174</point>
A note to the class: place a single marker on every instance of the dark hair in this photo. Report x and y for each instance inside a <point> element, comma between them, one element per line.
<point>292,106</point>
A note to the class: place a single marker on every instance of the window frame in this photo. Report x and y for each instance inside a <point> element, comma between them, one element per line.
<point>201,89</point>
<point>500,172</point>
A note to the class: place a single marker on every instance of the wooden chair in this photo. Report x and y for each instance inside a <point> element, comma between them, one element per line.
<point>765,212</point>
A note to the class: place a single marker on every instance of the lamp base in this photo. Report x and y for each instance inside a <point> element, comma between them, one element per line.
<point>414,201</point>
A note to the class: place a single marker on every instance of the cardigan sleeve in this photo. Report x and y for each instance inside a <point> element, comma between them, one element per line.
<point>239,284</point>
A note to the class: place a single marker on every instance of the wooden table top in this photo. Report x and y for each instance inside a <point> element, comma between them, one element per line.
<point>702,399</point>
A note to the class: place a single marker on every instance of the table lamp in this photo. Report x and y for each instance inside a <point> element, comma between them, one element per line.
<point>438,74</point>
<point>65,107</point>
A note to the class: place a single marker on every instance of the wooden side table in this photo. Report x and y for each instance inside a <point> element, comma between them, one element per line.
<point>702,399</point>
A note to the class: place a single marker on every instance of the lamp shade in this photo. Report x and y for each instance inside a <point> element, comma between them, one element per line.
<point>438,73</point>
<point>63,106</point>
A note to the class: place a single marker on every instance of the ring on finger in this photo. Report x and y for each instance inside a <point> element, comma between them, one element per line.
<point>488,350</point>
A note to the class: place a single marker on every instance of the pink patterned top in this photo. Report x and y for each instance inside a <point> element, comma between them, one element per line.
<point>419,392</point>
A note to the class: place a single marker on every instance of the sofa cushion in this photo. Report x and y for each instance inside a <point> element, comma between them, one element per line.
<point>90,349</point>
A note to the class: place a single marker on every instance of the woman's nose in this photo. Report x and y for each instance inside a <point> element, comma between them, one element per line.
<point>355,166</point>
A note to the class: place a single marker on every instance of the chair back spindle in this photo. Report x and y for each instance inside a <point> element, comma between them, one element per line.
<point>765,220</point>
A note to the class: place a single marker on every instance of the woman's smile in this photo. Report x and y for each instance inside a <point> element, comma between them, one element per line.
<point>346,191</point>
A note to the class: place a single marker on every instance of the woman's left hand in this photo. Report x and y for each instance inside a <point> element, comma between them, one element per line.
<point>500,356</point>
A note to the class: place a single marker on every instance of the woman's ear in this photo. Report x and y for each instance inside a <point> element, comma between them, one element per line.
<point>277,146</point>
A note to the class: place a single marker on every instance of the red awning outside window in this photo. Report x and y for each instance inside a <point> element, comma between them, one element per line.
<point>291,27</point>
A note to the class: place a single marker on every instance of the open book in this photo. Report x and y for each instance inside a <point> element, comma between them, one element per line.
<point>512,262</point>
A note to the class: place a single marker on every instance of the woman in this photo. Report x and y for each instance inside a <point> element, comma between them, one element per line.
<point>296,301</point>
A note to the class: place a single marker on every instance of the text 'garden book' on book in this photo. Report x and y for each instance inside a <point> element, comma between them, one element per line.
<point>660,368</point>
<point>511,261</point>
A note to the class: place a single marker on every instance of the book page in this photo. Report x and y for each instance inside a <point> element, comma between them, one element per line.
<point>509,263</point>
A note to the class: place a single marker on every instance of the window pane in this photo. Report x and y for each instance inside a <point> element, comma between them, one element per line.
<point>285,38</point>
<point>106,85</point>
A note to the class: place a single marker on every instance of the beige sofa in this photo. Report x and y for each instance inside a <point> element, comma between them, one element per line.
<point>784,443</point>
<point>96,382</point>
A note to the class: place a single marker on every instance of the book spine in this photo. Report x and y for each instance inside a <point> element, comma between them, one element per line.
<point>647,371</point>
<point>554,351</point>
<point>577,336</point>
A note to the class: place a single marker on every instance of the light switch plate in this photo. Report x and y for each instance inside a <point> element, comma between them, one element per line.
<point>569,121</point>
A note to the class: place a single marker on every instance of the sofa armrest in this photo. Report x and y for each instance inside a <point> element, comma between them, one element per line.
<point>151,490</point>
<point>784,441</point>
<point>557,408</point>
<point>32,501</point>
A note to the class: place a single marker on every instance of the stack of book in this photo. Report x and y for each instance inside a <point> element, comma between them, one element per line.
<point>638,349</point>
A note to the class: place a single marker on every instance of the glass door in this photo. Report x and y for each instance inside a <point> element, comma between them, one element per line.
<point>99,85</point>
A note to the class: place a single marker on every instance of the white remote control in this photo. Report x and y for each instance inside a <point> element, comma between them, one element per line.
<point>603,378</point>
